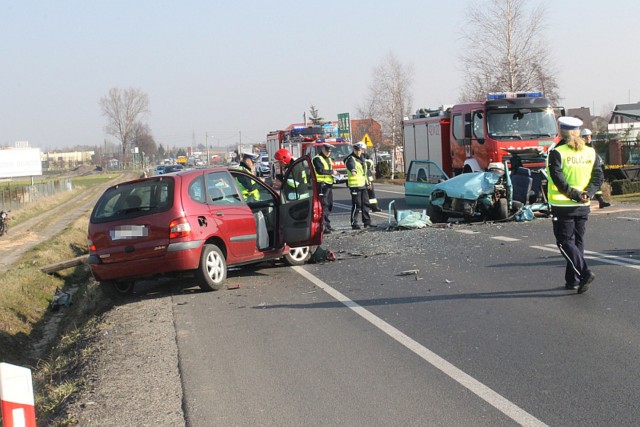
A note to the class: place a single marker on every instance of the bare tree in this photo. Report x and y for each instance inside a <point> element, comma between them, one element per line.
<point>123,109</point>
<point>390,100</point>
<point>505,50</point>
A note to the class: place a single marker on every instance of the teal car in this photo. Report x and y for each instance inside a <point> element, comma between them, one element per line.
<point>422,177</point>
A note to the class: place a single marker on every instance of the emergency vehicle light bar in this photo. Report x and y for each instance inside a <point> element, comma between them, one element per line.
<point>504,95</point>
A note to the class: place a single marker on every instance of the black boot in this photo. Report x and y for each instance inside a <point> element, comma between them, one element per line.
<point>601,202</point>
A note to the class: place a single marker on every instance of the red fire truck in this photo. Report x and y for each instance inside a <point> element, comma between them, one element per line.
<point>307,141</point>
<point>467,137</point>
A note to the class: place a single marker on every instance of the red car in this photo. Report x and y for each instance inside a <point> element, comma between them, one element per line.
<point>200,221</point>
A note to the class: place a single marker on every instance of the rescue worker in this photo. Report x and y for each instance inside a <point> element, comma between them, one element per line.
<point>248,186</point>
<point>586,134</point>
<point>357,183</point>
<point>575,174</point>
<point>373,202</point>
<point>294,184</point>
<point>323,166</point>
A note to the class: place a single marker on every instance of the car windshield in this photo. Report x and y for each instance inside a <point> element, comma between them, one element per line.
<point>130,200</point>
<point>521,124</point>
<point>340,151</point>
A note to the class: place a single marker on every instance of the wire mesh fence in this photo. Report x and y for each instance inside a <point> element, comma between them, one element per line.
<point>17,196</point>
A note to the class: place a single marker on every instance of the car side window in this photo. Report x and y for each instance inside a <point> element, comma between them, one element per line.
<point>221,190</point>
<point>478,126</point>
<point>196,190</point>
<point>298,185</point>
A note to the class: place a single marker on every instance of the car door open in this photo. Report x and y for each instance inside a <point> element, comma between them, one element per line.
<point>300,216</point>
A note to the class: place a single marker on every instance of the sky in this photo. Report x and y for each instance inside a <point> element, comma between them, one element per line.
<point>235,70</point>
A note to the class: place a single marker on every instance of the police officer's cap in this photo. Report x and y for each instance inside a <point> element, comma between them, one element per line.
<point>249,156</point>
<point>585,132</point>
<point>360,145</point>
<point>328,146</point>
<point>569,123</point>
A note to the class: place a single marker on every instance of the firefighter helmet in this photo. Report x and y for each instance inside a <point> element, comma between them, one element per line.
<point>283,155</point>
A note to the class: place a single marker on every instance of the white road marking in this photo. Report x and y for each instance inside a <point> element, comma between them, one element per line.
<point>628,218</point>
<point>494,399</point>
<point>609,259</point>
<point>505,239</point>
<point>465,231</point>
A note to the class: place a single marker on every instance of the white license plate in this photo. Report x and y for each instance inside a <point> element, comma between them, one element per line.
<point>129,232</point>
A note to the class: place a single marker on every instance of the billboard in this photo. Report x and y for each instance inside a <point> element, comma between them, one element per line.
<point>16,162</point>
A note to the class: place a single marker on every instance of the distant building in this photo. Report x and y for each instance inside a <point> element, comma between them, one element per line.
<point>583,113</point>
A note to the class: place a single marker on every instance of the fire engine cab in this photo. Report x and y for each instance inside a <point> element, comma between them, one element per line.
<point>467,137</point>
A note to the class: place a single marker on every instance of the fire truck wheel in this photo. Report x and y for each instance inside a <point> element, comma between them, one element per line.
<point>298,256</point>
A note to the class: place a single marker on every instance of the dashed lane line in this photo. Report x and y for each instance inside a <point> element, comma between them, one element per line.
<point>505,239</point>
<point>494,399</point>
<point>609,259</point>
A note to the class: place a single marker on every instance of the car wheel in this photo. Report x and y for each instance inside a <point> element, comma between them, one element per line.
<point>435,213</point>
<point>212,271</point>
<point>117,289</point>
<point>502,209</point>
<point>298,256</point>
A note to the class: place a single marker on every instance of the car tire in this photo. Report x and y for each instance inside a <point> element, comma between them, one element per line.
<point>502,209</point>
<point>298,256</point>
<point>117,289</point>
<point>212,271</point>
<point>435,213</point>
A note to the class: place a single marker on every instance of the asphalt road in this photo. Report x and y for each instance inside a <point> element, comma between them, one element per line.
<point>484,334</point>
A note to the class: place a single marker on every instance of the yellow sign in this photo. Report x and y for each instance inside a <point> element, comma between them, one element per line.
<point>367,140</point>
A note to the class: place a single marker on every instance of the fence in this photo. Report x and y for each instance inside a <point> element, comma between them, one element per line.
<point>21,195</point>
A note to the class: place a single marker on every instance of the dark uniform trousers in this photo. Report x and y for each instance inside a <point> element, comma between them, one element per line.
<point>569,233</point>
<point>326,192</point>
<point>360,204</point>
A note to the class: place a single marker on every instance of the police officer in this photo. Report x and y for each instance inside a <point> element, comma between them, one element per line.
<point>323,166</point>
<point>248,162</point>
<point>575,174</point>
<point>248,186</point>
<point>357,183</point>
<point>586,134</point>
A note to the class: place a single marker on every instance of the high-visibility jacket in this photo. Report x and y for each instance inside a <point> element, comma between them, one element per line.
<point>577,167</point>
<point>327,163</point>
<point>249,194</point>
<point>359,178</point>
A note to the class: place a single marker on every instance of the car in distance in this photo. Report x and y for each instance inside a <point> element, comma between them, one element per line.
<point>263,168</point>
<point>199,222</point>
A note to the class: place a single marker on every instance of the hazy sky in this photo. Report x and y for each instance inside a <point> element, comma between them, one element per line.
<point>246,67</point>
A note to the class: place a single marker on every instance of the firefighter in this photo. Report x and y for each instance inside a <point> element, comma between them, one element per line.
<point>357,183</point>
<point>323,166</point>
<point>575,174</point>
<point>295,184</point>
<point>586,134</point>
<point>373,202</point>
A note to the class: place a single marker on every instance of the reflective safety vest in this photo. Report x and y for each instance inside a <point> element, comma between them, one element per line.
<point>328,165</point>
<point>359,179</point>
<point>577,167</point>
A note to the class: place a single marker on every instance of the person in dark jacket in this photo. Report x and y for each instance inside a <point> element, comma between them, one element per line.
<point>575,174</point>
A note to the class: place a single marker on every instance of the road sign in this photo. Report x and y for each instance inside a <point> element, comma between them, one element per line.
<point>344,126</point>
<point>367,140</point>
